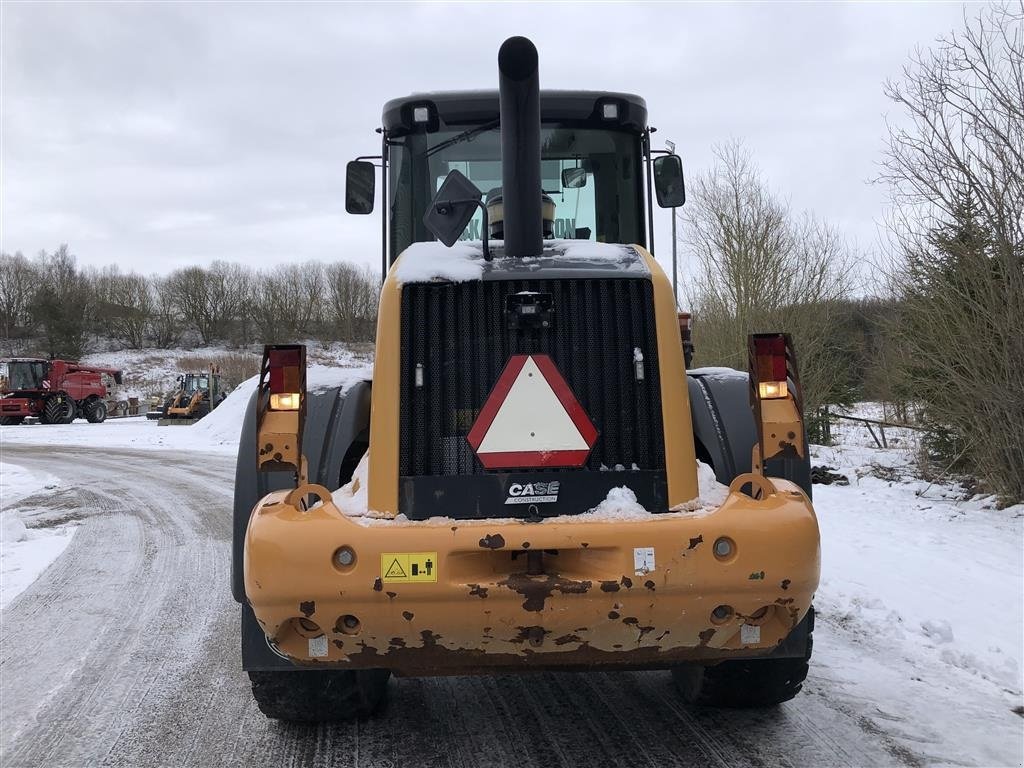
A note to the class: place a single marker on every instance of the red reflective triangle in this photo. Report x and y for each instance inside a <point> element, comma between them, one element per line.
<point>563,428</point>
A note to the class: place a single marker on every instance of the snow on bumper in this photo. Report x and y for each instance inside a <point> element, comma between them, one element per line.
<point>433,598</point>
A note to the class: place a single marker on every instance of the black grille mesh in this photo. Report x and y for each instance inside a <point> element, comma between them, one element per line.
<point>458,332</point>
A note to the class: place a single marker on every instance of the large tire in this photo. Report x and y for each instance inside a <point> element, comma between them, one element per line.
<point>202,409</point>
<point>316,696</point>
<point>57,411</point>
<point>10,421</point>
<point>95,411</point>
<point>745,683</point>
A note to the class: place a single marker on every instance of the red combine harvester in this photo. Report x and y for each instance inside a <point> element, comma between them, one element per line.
<point>56,391</point>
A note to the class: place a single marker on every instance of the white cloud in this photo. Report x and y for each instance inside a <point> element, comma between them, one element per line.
<point>155,135</point>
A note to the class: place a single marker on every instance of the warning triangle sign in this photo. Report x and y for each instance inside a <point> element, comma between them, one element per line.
<point>395,571</point>
<point>532,419</point>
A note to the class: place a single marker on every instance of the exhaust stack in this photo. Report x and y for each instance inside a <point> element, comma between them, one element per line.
<point>519,103</point>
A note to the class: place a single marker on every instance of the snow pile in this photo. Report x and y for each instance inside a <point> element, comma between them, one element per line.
<point>710,491</point>
<point>17,482</point>
<point>25,552</point>
<point>351,497</point>
<point>619,504</point>
<point>424,262</point>
<point>12,530</point>
<point>224,424</point>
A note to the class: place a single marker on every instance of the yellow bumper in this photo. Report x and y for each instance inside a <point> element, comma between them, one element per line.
<point>602,598</point>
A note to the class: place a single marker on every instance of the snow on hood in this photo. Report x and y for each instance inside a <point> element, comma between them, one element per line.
<point>424,262</point>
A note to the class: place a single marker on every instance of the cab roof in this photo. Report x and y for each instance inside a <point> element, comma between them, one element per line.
<point>455,108</point>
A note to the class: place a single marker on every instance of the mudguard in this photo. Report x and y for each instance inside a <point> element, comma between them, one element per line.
<point>335,437</point>
<point>723,426</point>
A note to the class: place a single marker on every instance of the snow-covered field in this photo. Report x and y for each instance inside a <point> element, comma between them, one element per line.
<point>920,619</point>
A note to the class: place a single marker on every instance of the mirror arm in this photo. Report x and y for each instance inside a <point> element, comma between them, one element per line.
<point>444,207</point>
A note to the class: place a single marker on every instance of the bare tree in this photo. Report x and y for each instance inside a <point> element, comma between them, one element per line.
<point>165,320</point>
<point>124,305</point>
<point>288,301</point>
<point>760,268</point>
<point>18,284</point>
<point>352,296</point>
<point>956,175</point>
<point>211,300</point>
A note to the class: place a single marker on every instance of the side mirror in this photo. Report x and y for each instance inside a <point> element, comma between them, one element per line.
<point>452,208</point>
<point>574,178</point>
<point>360,186</point>
<point>668,181</point>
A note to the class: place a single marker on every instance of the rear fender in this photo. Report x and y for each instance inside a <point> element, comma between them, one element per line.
<point>724,428</point>
<point>335,421</point>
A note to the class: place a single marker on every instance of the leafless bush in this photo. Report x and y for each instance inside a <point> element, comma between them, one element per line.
<point>956,175</point>
<point>759,268</point>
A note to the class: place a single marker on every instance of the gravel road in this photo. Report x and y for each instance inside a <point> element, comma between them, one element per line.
<point>125,653</point>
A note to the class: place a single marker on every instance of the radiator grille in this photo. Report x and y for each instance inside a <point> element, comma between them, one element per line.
<point>459,334</point>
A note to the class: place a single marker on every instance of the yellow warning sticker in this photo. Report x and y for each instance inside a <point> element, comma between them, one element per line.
<point>408,566</point>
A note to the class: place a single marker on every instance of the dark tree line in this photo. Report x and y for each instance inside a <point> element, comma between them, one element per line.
<point>51,306</point>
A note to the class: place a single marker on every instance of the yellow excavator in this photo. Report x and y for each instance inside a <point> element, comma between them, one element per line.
<point>531,480</point>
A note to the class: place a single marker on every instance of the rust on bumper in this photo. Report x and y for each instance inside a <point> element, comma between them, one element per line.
<point>566,592</point>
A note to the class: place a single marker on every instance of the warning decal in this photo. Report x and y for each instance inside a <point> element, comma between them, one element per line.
<point>408,566</point>
<point>531,419</point>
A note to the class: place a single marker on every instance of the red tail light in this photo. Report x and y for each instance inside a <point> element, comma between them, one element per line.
<point>770,365</point>
<point>285,377</point>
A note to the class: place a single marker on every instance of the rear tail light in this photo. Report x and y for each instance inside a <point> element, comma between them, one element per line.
<point>285,379</point>
<point>770,366</point>
<point>281,409</point>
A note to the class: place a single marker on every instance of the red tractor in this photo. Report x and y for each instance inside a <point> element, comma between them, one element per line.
<point>56,391</point>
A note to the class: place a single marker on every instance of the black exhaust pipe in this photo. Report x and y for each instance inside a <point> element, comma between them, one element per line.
<point>519,102</point>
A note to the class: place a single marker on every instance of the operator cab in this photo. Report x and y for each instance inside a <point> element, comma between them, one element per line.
<point>26,374</point>
<point>593,148</point>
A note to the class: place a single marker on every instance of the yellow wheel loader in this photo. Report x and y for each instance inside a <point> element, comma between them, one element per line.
<point>197,394</point>
<point>531,480</point>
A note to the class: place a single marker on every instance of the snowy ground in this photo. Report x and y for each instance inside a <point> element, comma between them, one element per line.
<point>25,553</point>
<point>921,619</point>
<point>918,647</point>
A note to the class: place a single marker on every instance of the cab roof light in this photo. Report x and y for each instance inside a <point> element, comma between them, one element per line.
<point>610,110</point>
<point>421,114</point>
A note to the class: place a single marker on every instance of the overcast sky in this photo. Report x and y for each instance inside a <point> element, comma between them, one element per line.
<point>161,135</point>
